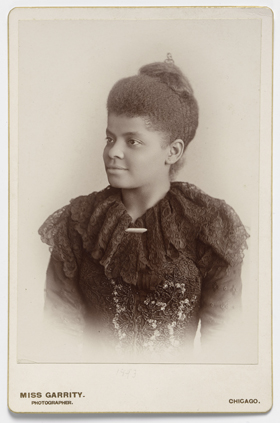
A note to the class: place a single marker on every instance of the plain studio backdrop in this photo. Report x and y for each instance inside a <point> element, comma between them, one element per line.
<point>66,69</point>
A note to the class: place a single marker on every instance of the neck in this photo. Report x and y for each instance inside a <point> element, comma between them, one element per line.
<point>138,200</point>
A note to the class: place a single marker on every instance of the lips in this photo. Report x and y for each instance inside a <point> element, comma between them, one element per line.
<point>115,168</point>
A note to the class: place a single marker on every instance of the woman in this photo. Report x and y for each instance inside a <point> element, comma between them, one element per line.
<point>138,265</point>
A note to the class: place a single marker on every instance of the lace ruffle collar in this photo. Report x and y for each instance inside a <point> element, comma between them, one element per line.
<point>174,225</point>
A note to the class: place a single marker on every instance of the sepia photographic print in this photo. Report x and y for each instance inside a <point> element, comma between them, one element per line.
<point>140,217</point>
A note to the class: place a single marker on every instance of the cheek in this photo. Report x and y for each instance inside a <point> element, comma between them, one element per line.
<point>157,158</point>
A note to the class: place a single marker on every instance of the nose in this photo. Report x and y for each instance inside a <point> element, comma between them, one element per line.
<point>115,150</point>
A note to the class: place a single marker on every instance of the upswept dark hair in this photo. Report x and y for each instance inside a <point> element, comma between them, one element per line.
<point>163,94</point>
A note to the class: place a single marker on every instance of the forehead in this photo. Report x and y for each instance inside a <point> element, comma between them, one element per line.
<point>121,124</point>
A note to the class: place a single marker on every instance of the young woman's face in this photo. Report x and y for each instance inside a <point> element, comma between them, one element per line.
<point>134,155</point>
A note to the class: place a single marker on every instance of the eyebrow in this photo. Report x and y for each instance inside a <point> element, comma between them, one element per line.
<point>108,132</point>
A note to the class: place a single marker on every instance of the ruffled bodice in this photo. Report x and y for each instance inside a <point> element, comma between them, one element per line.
<point>148,290</point>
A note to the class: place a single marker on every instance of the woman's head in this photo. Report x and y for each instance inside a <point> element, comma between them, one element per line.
<point>136,156</point>
<point>162,95</point>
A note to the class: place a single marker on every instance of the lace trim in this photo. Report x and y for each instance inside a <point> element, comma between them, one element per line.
<point>185,222</point>
<point>54,233</point>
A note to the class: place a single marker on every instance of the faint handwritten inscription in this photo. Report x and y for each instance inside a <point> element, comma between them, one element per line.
<point>126,373</point>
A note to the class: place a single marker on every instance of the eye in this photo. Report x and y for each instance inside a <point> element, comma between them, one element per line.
<point>109,140</point>
<point>133,142</point>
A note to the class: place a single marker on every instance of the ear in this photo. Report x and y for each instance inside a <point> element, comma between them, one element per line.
<point>175,151</point>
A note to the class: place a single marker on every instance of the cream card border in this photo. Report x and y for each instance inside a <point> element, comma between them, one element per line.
<point>160,388</point>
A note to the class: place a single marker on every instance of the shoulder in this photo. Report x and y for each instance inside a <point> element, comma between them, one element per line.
<point>195,195</point>
<point>217,223</point>
<point>79,210</point>
<point>65,230</point>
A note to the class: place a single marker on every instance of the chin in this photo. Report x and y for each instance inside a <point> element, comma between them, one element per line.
<point>115,183</point>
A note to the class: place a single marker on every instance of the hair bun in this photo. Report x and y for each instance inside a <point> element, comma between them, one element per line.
<point>169,74</point>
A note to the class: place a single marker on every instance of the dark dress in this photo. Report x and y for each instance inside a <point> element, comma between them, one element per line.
<point>145,293</point>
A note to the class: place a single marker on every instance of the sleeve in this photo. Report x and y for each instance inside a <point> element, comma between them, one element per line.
<point>64,310</point>
<point>221,307</point>
<point>221,252</point>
